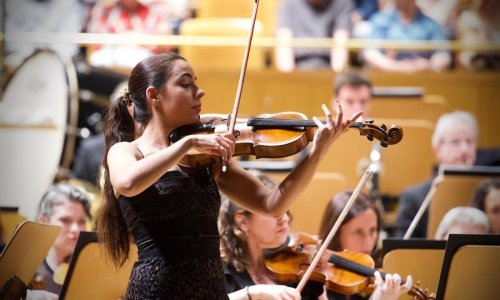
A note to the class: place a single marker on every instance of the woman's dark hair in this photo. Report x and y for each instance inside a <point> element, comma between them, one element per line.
<point>482,191</point>
<point>334,209</point>
<point>120,127</point>
<point>233,243</point>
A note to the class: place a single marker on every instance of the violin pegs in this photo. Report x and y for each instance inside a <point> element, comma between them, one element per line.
<point>370,136</point>
<point>384,144</point>
<point>369,121</point>
<point>383,127</point>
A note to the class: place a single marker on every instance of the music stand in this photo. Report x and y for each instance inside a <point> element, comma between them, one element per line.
<point>455,186</point>
<point>91,276</point>
<point>471,267</point>
<point>390,244</point>
<point>25,252</point>
<point>417,257</point>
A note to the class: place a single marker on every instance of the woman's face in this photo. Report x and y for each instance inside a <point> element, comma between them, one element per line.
<point>72,219</point>
<point>267,232</point>
<point>360,233</point>
<point>492,210</point>
<point>180,100</point>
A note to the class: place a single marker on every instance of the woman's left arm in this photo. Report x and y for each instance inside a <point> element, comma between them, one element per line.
<point>248,192</point>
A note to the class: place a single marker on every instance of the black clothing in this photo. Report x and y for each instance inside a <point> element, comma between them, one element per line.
<point>174,223</point>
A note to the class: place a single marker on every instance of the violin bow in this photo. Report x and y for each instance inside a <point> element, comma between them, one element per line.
<point>368,173</point>
<point>244,64</point>
<point>422,208</point>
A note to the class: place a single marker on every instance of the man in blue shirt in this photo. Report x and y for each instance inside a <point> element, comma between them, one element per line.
<point>405,22</point>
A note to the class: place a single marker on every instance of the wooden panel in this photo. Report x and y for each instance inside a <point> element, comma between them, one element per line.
<point>9,221</point>
<point>96,278</point>
<point>307,210</point>
<point>451,191</point>
<point>220,58</point>
<point>270,91</point>
<point>473,273</point>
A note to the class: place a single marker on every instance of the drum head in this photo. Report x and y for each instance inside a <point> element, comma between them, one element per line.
<point>36,108</point>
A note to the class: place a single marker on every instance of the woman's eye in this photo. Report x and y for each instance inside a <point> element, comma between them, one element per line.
<point>185,85</point>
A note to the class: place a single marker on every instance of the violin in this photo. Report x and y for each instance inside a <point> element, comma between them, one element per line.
<point>272,135</point>
<point>345,272</point>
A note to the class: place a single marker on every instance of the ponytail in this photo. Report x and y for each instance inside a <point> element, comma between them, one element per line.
<point>111,225</point>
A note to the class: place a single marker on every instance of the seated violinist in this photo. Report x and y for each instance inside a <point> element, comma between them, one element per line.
<point>245,236</point>
<point>359,232</point>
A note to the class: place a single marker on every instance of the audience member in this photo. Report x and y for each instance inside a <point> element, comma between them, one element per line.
<point>360,16</point>
<point>406,22</point>
<point>480,24</point>
<point>462,220</point>
<point>353,91</point>
<point>454,143</point>
<point>444,12</point>
<point>487,199</point>
<point>127,16</point>
<point>312,19</point>
<point>35,16</point>
<point>69,207</point>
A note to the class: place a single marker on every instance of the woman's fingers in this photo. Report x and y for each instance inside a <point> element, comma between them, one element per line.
<point>318,122</point>
<point>340,115</point>
<point>328,114</point>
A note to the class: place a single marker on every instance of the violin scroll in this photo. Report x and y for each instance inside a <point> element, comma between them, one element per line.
<point>386,137</point>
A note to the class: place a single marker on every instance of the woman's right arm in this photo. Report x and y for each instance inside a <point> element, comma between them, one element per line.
<point>131,174</point>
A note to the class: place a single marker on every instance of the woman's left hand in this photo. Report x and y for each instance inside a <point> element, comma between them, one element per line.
<point>329,132</point>
<point>390,288</point>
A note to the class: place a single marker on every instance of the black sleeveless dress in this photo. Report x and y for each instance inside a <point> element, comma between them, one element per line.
<point>174,224</point>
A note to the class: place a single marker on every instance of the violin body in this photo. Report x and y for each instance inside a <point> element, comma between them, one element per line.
<point>271,135</point>
<point>289,264</point>
<point>263,142</point>
<point>345,272</point>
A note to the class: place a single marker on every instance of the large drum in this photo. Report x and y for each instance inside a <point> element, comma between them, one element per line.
<point>38,112</point>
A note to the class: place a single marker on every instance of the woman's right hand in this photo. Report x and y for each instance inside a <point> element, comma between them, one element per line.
<point>390,288</point>
<point>216,144</point>
<point>40,295</point>
<point>272,292</point>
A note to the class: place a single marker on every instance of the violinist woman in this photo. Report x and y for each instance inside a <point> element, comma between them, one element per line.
<point>244,238</point>
<point>171,212</point>
<point>359,232</point>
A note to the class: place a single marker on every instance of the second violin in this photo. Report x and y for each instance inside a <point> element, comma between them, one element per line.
<point>345,272</point>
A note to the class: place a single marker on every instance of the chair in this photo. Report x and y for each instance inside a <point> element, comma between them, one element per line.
<point>240,9</point>
<point>307,209</point>
<point>471,267</point>
<point>215,57</point>
<point>91,276</point>
<point>455,188</point>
